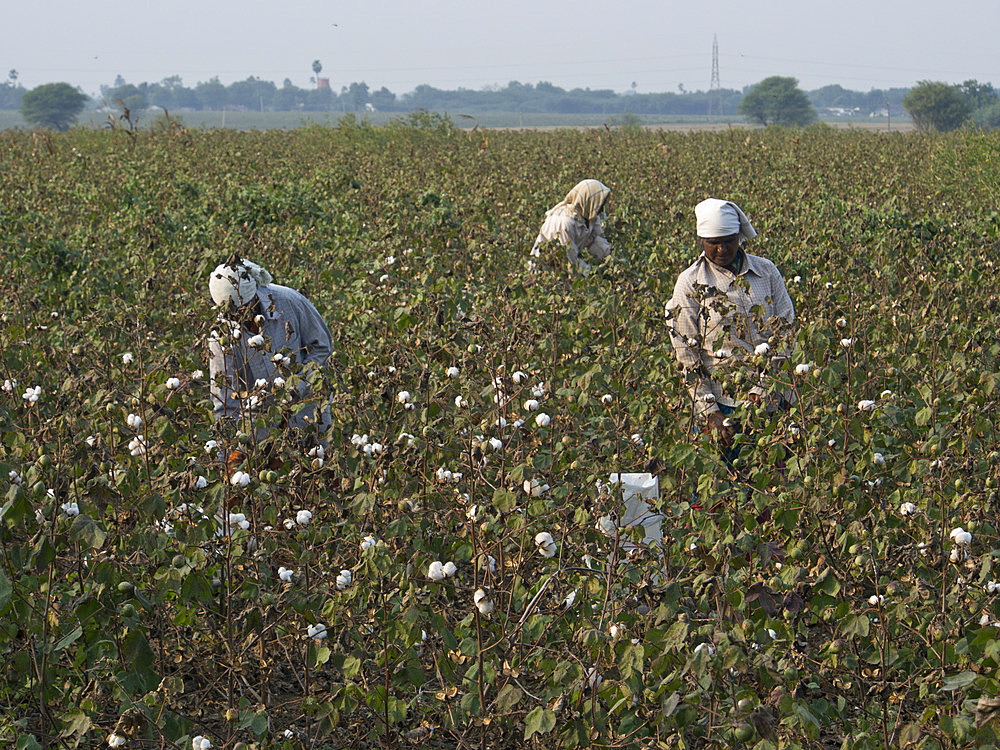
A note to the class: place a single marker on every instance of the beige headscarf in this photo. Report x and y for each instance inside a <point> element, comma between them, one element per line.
<point>586,198</point>
<point>719,218</point>
<point>237,284</point>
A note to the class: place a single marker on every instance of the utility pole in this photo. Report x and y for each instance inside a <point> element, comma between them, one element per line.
<point>715,88</point>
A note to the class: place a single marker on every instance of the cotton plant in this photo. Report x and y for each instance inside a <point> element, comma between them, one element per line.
<point>70,508</point>
<point>137,446</point>
<point>32,394</point>
<point>368,543</point>
<point>344,579</point>
<point>483,602</point>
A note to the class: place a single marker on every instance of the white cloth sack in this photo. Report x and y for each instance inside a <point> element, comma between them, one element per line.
<point>637,490</point>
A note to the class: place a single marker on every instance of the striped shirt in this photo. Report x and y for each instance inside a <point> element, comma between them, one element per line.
<point>713,320</point>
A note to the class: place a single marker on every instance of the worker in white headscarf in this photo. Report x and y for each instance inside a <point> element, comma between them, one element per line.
<point>268,327</point>
<point>711,311</point>
<point>575,223</point>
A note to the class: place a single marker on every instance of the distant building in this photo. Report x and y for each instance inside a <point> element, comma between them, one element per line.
<point>322,83</point>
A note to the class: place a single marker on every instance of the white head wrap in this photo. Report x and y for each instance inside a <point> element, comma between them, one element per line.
<point>587,198</point>
<point>237,284</point>
<point>718,218</point>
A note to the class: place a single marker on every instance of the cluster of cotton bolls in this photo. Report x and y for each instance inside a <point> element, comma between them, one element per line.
<point>10,385</point>
<point>282,360</point>
<point>368,543</point>
<point>365,445</point>
<point>446,475</point>
<point>318,455</point>
<point>345,579</point>
<point>907,509</point>
<point>70,509</point>
<point>406,400</point>
<point>238,520</point>
<point>256,341</point>
<point>545,544</point>
<point>201,743</point>
<point>438,571</point>
<point>31,395</point>
<point>116,740</point>
<point>962,540</point>
<point>134,421</point>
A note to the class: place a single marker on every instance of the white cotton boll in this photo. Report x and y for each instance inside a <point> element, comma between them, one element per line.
<point>721,353</point>
<point>637,439</point>
<point>303,517</point>
<point>443,474</point>
<point>134,421</point>
<point>846,343</point>
<point>90,440</point>
<point>707,647</point>
<point>616,631</point>
<point>546,545</point>
<point>456,476</point>
<point>367,449</point>
<point>570,598</point>
<point>392,369</point>
<point>451,372</point>
<point>907,509</point>
<point>841,322</point>
<point>205,744</point>
<point>538,390</point>
<point>278,382</point>
<point>482,601</point>
<point>344,579</point>
<point>831,443</point>
<point>368,542</point>
<point>390,260</point>
<point>50,494</point>
<point>496,443</point>
<point>10,385</point>
<point>317,631</point>
<point>878,459</point>
<point>239,479</point>
<point>922,548</point>
<point>239,520</point>
<point>761,349</point>
<point>173,384</point>
<point>984,620</point>
<point>876,601</point>
<point>197,375</point>
<point>691,341</point>
<point>887,394</point>
<point>534,488</point>
<point>383,278</point>
<point>472,513</point>
<point>435,571</point>
<point>285,574</point>
<point>403,397</point>
<point>531,405</point>
<point>955,555</point>
<point>794,430</point>
<point>460,402</point>
<point>519,377</point>
<point>127,358</point>
<point>991,587</point>
<point>607,398</point>
<point>543,420</point>
<point>116,740</point>
<point>772,634</point>
<point>708,398</point>
<point>961,536</point>
<point>15,478</point>
<point>256,341</point>
<point>829,285</point>
<point>260,383</point>
<point>288,523</point>
<point>449,569</point>
<point>31,395</point>
<point>802,369</point>
<point>797,280</point>
<point>70,509</point>
<point>594,678</point>
<point>866,405</point>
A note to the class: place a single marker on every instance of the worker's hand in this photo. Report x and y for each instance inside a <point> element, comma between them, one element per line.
<point>723,426</point>
<point>234,459</point>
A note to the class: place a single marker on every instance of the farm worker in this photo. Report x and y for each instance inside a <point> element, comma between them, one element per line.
<point>575,223</point>
<point>268,323</point>
<point>711,312</point>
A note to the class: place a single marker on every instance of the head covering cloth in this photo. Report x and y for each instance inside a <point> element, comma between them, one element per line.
<point>237,284</point>
<point>587,198</point>
<point>719,218</point>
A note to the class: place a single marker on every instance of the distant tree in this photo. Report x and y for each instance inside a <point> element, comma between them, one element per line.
<point>357,95</point>
<point>211,94</point>
<point>12,75</point>
<point>317,67</point>
<point>53,105</point>
<point>979,94</point>
<point>383,99</point>
<point>988,117</point>
<point>935,105</point>
<point>778,100</point>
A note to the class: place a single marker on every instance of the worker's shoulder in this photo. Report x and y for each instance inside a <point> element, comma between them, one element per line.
<point>763,266</point>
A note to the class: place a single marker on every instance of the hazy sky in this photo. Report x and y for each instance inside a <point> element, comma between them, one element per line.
<point>451,44</point>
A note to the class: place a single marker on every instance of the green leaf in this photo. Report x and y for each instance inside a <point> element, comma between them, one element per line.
<point>958,681</point>
<point>74,722</point>
<point>674,638</point>
<point>86,531</point>
<point>352,666</point>
<point>827,583</point>
<point>923,416</point>
<point>540,720</point>
<point>6,590</point>
<point>509,697</point>
<point>68,639</point>
<point>855,625</point>
<point>503,500</point>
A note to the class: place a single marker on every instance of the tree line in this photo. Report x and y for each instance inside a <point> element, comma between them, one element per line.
<point>776,100</point>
